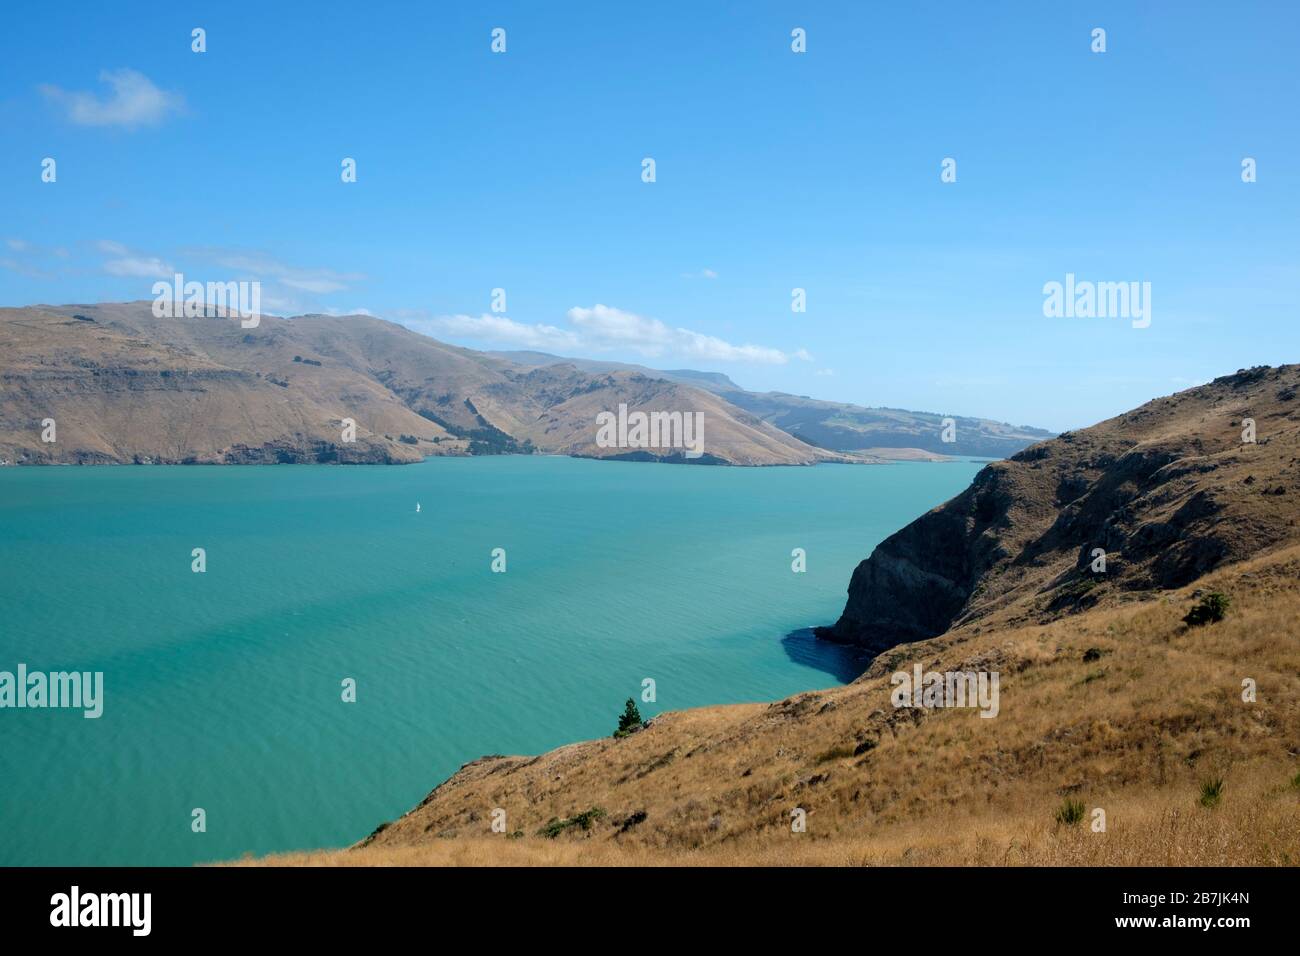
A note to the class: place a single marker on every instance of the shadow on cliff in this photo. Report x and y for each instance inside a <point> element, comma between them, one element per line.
<point>843,662</point>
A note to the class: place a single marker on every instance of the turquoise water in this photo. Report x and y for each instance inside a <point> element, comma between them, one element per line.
<point>222,689</point>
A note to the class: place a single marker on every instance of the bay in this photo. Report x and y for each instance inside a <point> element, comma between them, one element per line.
<point>222,690</point>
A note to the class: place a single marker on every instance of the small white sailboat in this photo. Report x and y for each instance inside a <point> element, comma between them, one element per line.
<point>417,507</point>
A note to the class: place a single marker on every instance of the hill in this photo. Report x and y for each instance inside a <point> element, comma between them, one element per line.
<point>1124,709</point>
<point>1166,493</point>
<point>891,433</point>
<point>1127,730</point>
<point>125,386</point>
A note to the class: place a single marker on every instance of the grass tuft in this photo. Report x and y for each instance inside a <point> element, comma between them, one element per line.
<point>1071,812</point>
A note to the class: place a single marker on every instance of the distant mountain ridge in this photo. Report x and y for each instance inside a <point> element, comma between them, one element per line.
<point>124,386</point>
<point>836,426</point>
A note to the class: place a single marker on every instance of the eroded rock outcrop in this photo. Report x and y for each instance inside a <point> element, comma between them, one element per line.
<point>1165,493</point>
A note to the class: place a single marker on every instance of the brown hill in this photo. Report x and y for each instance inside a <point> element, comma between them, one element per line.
<point>123,386</point>
<point>1184,737</point>
<point>888,433</point>
<point>1168,492</point>
<point>1124,709</point>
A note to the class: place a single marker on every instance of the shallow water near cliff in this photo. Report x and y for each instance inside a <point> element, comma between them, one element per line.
<point>222,690</point>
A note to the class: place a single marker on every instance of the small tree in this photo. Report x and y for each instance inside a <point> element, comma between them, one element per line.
<point>629,720</point>
<point>1213,607</point>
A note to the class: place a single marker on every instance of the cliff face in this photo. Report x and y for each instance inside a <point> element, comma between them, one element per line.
<point>1166,492</point>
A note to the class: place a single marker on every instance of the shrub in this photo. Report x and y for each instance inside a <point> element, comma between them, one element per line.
<point>1211,792</point>
<point>582,820</point>
<point>1071,812</point>
<point>836,753</point>
<point>1213,607</point>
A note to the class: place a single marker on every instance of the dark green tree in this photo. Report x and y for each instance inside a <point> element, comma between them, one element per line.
<point>629,720</point>
<point>1213,607</point>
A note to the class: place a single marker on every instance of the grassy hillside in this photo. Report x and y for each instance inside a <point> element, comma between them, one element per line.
<point>1166,492</point>
<point>125,386</point>
<point>1125,708</point>
<point>891,433</point>
<point>1163,692</point>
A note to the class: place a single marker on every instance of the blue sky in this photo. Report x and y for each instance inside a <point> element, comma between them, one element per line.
<point>774,170</point>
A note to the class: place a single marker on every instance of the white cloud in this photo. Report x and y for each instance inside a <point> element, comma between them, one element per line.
<point>503,331</point>
<point>123,261</point>
<point>318,286</point>
<point>146,267</point>
<point>702,274</point>
<point>32,260</point>
<point>600,328</point>
<point>825,372</point>
<point>132,101</point>
<point>316,281</point>
<point>25,269</point>
<point>273,304</point>
<point>605,327</point>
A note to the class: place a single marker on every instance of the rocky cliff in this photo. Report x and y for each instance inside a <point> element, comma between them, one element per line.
<point>1150,499</point>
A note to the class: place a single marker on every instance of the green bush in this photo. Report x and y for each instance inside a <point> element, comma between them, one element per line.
<point>1071,812</point>
<point>1211,792</point>
<point>582,820</point>
<point>1213,607</point>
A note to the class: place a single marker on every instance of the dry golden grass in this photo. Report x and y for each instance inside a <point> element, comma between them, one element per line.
<point>1136,733</point>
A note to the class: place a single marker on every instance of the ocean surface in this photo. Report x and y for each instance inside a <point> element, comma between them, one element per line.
<point>223,690</point>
